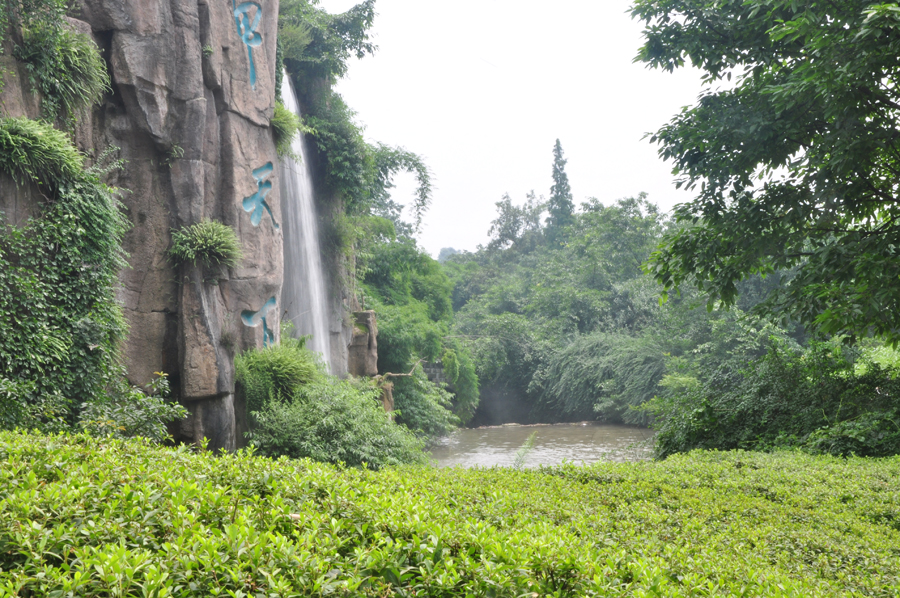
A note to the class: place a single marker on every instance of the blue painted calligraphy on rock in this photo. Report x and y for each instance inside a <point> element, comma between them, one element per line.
<point>256,204</point>
<point>255,318</point>
<point>247,29</point>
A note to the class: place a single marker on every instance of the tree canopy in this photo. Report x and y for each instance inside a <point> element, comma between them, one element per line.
<point>795,163</point>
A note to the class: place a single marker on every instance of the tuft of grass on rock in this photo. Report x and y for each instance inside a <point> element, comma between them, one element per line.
<point>208,242</point>
<point>285,127</point>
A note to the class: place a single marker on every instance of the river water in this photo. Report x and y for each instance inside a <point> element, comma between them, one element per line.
<point>578,443</point>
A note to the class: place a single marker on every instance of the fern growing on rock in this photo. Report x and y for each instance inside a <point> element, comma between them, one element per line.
<point>209,243</point>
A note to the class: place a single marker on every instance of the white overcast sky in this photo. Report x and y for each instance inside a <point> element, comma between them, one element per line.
<point>481,89</point>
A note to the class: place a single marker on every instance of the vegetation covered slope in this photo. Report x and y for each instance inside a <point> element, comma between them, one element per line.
<point>87,517</point>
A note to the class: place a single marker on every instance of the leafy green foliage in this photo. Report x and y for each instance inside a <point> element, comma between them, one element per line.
<point>299,411</point>
<point>245,525</point>
<point>275,372</point>
<point>821,399</point>
<point>523,452</point>
<point>410,294</point>
<point>65,67</point>
<point>795,165</point>
<point>605,373</point>
<point>335,421</point>
<point>315,47</point>
<point>316,44</point>
<point>526,297</point>
<point>60,323</point>
<point>399,273</point>
<point>465,387</point>
<point>559,206</point>
<point>285,128</point>
<point>33,151</point>
<point>360,173</point>
<point>131,411</point>
<point>207,242</point>
<point>424,407</point>
<point>21,407</point>
<point>516,225</point>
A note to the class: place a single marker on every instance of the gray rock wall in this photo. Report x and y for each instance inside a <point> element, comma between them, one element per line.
<point>193,92</point>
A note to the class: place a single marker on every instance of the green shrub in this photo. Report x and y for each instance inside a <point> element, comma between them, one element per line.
<point>602,376</point>
<point>33,151</point>
<point>424,406</point>
<point>100,517</point>
<point>275,372</point>
<point>466,397</point>
<point>819,399</point>
<point>285,128</point>
<point>317,44</point>
<point>208,242</point>
<point>22,407</point>
<point>130,411</point>
<point>65,67</point>
<point>299,411</point>
<point>334,421</point>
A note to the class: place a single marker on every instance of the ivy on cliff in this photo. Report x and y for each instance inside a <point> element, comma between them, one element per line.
<point>64,67</point>
<point>317,45</point>
<point>59,320</point>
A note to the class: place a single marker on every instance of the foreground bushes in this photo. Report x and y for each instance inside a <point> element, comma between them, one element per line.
<point>85,517</point>
<point>335,421</point>
<point>299,411</point>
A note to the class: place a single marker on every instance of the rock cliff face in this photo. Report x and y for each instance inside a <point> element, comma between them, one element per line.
<point>193,92</point>
<point>193,95</point>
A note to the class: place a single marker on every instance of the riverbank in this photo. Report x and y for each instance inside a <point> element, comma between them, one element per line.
<point>102,518</point>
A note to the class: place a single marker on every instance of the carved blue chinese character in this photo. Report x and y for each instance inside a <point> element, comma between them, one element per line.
<point>247,30</point>
<point>253,319</point>
<point>256,203</point>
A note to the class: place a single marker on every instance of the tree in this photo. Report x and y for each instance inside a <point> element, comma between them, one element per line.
<point>507,227</point>
<point>560,205</point>
<point>446,253</point>
<point>796,165</point>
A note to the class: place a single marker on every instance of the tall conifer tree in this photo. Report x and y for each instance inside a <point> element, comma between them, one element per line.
<point>560,206</point>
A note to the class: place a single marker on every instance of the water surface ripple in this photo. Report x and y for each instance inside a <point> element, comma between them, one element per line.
<point>578,443</point>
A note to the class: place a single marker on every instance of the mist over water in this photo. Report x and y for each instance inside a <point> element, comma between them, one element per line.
<point>585,442</point>
<point>304,299</point>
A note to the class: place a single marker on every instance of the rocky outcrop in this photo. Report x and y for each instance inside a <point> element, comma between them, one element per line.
<point>362,357</point>
<point>193,92</point>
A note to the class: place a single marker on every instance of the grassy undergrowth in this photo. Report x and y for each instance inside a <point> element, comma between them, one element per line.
<point>87,517</point>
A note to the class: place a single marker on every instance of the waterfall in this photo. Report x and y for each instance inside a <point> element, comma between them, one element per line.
<point>303,296</point>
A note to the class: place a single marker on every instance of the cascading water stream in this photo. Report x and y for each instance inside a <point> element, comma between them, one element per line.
<point>303,296</point>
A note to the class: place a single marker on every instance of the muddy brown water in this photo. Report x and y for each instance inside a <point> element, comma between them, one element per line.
<point>577,443</point>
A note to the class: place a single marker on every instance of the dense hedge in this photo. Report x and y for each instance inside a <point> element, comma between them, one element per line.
<point>86,517</point>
